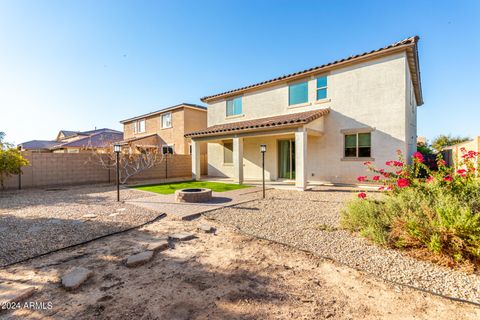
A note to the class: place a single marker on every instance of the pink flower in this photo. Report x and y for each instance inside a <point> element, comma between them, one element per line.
<point>418,156</point>
<point>376,178</point>
<point>399,172</point>
<point>397,164</point>
<point>367,163</point>
<point>441,162</point>
<point>389,163</point>
<point>448,179</point>
<point>462,172</point>
<point>430,179</point>
<point>463,149</point>
<point>362,178</point>
<point>402,183</point>
<point>389,188</point>
<point>362,195</point>
<point>381,188</point>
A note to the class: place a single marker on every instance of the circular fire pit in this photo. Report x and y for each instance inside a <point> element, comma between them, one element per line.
<point>193,195</point>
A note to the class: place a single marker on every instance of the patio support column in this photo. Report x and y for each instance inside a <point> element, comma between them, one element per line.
<point>195,160</point>
<point>301,162</point>
<point>238,160</point>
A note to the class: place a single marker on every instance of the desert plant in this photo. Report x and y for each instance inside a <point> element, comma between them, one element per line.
<point>434,211</point>
<point>11,160</point>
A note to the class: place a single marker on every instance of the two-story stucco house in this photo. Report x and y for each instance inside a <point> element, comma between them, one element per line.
<point>166,128</point>
<point>319,124</point>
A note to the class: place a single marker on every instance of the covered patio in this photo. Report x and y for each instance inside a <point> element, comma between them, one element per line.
<point>234,148</point>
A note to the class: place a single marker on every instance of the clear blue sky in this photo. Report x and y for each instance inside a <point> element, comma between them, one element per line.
<point>76,65</point>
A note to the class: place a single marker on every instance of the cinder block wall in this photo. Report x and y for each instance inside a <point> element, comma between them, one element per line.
<point>61,169</point>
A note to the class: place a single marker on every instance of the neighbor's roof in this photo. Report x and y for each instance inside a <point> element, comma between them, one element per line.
<point>38,144</point>
<point>285,120</point>
<point>181,105</point>
<point>409,44</point>
<point>69,133</point>
<point>98,138</point>
<point>137,138</point>
<point>101,139</point>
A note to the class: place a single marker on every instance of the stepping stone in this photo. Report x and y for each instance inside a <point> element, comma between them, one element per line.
<point>159,245</point>
<point>89,216</point>
<point>10,294</point>
<point>139,259</point>
<point>76,278</point>
<point>121,209</point>
<point>206,228</point>
<point>181,236</point>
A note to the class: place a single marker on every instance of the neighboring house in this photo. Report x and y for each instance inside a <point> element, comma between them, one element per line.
<point>166,128</point>
<point>319,124</point>
<point>453,154</point>
<point>100,140</point>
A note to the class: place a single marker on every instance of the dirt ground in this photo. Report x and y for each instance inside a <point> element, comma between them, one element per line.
<point>222,276</point>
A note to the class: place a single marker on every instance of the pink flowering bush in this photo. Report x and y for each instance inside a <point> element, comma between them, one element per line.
<point>433,214</point>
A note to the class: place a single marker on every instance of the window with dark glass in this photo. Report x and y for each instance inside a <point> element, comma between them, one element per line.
<point>298,93</point>
<point>358,145</point>
<point>167,149</point>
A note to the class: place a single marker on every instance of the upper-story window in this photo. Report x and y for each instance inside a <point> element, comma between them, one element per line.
<point>139,126</point>
<point>321,88</point>
<point>167,120</point>
<point>298,93</point>
<point>234,107</point>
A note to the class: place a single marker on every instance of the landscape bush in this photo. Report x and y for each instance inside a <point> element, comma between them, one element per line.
<point>434,215</point>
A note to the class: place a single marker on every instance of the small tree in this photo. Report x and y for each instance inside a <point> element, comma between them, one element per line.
<point>11,160</point>
<point>443,141</point>
<point>132,160</point>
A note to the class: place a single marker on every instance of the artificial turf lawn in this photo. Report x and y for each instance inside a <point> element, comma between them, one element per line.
<point>169,188</point>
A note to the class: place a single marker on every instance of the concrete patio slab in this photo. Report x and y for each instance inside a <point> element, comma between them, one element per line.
<point>189,211</point>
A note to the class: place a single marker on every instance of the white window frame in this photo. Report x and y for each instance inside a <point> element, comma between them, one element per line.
<point>164,115</point>
<point>324,87</point>
<point>168,146</point>
<point>137,126</point>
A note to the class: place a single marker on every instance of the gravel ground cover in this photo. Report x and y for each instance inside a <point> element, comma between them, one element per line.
<point>225,275</point>
<point>309,221</point>
<point>37,221</point>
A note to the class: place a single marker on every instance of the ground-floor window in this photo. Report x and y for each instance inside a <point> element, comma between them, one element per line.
<point>167,149</point>
<point>358,145</point>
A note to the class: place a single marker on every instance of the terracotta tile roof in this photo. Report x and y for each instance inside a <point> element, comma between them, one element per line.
<point>409,42</point>
<point>285,120</point>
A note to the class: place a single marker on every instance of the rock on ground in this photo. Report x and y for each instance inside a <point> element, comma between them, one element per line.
<point>158,245</point>
<point>181,236</point>
<point>76,278</point>
<point>139,259</point>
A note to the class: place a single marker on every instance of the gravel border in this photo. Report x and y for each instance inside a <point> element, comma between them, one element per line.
<point>36,221</point>
<point>309,221</point>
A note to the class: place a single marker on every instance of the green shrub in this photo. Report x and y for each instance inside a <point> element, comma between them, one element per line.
<point>439,215</point>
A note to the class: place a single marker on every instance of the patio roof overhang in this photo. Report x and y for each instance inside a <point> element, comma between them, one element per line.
<point>278,124</point>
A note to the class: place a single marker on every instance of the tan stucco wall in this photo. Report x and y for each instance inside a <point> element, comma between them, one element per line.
<point>370,94</point>
<point>183,120</point>
<point>472,145</point>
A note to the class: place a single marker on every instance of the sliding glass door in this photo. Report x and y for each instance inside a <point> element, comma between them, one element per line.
<point>286,159</point>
